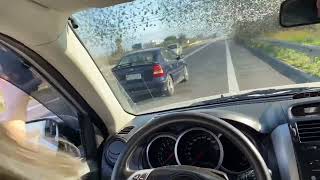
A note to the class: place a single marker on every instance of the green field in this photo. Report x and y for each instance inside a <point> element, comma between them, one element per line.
<point>307,35</point>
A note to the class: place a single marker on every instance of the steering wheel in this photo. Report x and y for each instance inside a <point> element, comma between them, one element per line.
<point>123,169</point>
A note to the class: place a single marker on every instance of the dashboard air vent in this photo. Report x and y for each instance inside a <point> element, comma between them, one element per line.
<point>114,149</point>
<point>126,130</point>
<point>308,131</point>
<point>306,110</point>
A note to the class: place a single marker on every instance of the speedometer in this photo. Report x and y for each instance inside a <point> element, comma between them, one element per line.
<point>160,151</point>
<point>199,147</point>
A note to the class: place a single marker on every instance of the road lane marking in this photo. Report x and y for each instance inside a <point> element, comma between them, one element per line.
<point>197,50</point>
<point>204,46</point>
<point>232,79</point>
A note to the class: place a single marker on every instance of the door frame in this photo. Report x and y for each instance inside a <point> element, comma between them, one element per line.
<point>87,116</point>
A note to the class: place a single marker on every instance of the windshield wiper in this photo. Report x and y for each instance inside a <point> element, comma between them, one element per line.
<point>259,94</point>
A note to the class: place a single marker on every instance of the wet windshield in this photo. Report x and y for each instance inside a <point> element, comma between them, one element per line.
<point>164,54</point>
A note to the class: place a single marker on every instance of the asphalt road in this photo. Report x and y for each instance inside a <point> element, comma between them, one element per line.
<point>217,68</point>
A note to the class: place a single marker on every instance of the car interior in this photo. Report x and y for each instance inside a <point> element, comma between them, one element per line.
<point>262,134</point>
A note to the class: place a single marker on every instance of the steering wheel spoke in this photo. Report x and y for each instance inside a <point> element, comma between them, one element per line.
<point>178,172</point>
<point>141,174</point>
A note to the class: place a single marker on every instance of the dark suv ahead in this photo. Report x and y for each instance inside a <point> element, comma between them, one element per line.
<point>152,72</point>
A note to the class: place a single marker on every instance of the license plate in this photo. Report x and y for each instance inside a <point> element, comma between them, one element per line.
<point>130,77</point>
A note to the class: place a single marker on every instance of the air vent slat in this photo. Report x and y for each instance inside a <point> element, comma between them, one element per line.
<point>309,124</point>
<point>126,130</point>
<point>308,137</point>
<point>308,131</point>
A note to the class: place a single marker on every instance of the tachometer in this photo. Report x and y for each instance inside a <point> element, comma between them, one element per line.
<point>234,161</point>
<point>160,151</point>
<point>199,147</point>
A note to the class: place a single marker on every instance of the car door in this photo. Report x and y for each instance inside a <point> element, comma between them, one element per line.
<point>179,66</point>
<point>27,97</point>
<point>30,105</point>
<point>172,63</point>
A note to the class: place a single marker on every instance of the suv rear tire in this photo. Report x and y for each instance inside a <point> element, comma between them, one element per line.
<point>186,74</point>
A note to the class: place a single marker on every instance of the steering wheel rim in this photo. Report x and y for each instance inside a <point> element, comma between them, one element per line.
<point>123,171</point>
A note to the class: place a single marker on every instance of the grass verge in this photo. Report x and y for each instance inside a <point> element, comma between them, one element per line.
<point>301,61</point>
<point>307,35</point>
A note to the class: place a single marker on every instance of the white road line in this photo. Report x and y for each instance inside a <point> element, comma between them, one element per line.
<point>232,79</point>
<point>208,44</point>
<point>197,50</point>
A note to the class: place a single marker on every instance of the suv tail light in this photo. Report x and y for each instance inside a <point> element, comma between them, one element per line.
<point>158,71</point>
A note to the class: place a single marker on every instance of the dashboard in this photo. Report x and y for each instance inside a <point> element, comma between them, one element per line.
<point>279,128</point>
<point>195,147</point>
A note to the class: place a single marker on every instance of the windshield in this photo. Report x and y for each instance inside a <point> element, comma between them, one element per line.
<point>165,54</point>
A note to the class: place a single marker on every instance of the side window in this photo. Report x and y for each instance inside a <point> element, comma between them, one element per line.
<point>29,105</point>
<point>172,54</point>
<point>168,55</point>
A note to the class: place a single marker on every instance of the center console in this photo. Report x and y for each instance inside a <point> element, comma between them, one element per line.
<point>305,134</point>
<point>306,143</point>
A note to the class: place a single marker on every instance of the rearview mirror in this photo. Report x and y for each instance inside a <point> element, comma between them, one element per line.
<point>299,12</point>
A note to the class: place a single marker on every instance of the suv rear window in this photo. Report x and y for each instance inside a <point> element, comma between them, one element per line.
<point>136,59</point>
<point>173,46</point>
